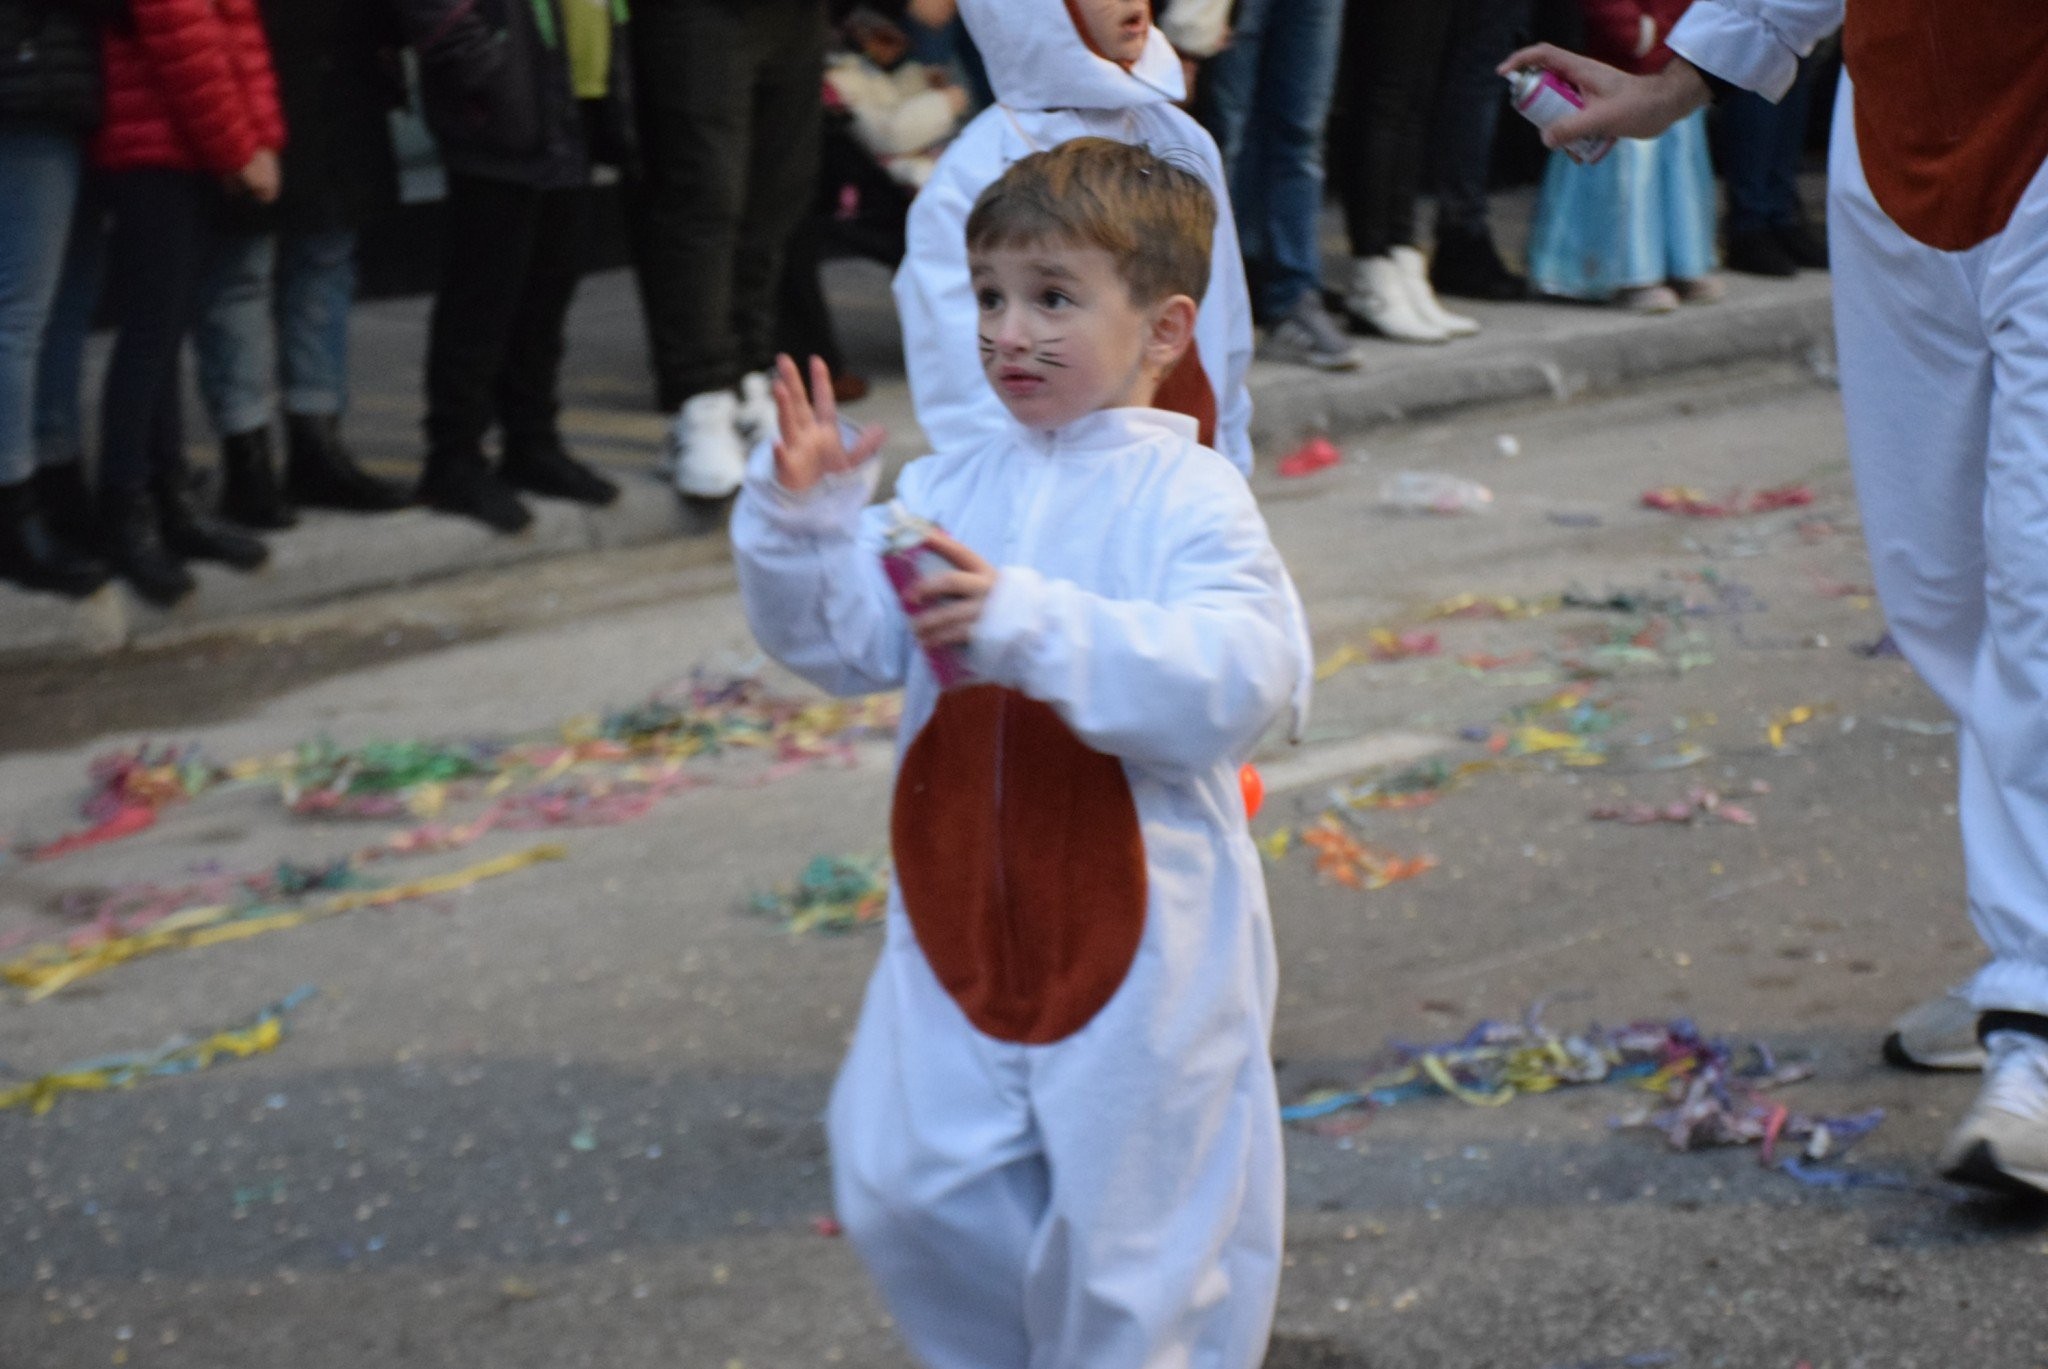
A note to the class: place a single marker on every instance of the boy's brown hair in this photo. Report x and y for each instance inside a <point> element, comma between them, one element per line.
<point>1156,219</point>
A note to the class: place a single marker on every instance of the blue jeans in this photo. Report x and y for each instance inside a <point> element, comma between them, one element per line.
<point>1265,98</point>
<point>276,310</point>
<point>60,371</point>
<point>1762,145</point>
<point>40,171</point>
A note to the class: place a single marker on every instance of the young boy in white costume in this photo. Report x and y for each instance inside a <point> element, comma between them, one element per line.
<point>1938,239</point>
<point>1056,1138</point>
<point>1066,69</point>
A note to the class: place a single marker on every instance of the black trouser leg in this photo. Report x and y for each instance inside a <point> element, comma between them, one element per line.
<point>529,378</point>
<point>1395,50</point>
<point>783,175</point>
<point>157,247</point>
<point>1468,109</point>
<point>492,228</point>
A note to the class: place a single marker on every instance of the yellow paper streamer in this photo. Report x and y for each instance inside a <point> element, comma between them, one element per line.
<point>48,968</point>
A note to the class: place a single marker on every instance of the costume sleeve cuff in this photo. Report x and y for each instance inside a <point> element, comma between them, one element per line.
<point>1736,46</point>
<point>834,504</point>
<point>1009,620</point>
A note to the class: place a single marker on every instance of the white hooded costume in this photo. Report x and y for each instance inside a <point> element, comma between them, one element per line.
<point>1056,1139</point>
<point>1051,88</point>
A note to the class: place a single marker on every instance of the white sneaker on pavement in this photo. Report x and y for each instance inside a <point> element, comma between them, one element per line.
<point>1415,275</point>
<point>1379,294</point>
<point>705,452</point>
<point>757,409</point>
<point>1308,336</point>
<point>2002,1143</point>
<point>1940,1034</point>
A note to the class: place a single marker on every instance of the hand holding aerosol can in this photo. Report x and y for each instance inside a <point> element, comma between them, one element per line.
<point>1543,97</point>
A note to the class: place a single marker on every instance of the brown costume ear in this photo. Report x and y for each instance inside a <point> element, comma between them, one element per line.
<point>1186,390</point>
<point>1021,864</point>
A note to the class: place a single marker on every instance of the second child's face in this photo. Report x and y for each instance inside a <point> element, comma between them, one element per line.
<point>1060,334</point>
<point>1116,28</point>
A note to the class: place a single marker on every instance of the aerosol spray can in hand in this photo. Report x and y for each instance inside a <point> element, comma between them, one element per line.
<point>1543,97</point>
<point>908,557</point>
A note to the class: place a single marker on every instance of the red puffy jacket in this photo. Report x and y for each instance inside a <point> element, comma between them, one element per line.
<point>1615,30</point>
<point>189,88</point>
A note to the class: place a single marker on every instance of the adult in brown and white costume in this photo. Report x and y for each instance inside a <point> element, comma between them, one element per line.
<point>1938,230</point>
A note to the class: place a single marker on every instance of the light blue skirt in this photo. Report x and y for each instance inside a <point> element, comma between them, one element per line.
<point>1642,215</point>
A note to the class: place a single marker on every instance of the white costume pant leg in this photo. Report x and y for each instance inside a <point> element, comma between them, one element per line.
<point>1073,1206</point>
<point>1944,359</point>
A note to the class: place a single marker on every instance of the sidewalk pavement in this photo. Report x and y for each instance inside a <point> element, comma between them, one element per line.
<point>1527,352</point>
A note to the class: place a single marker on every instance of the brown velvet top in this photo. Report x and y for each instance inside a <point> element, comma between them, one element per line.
<point>1951,110</point>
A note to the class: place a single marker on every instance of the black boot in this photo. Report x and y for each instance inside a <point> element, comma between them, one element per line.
<point>1467,267</point>
<point>1757,252</point>
<point>134,546</point>
<point>249,492</point>
<point>465,485</point>
<point>541,466</point>
<point>197,535</point>
<point>1808,249</point>
<point>319,472</point>
<point>33,557</point>
<point>67,503</point>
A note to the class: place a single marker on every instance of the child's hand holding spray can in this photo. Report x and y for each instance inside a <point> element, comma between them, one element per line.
<point>1543,97</point>
<point>908,556</point>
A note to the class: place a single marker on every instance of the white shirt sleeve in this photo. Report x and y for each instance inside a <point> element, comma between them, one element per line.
<point>1231,296</point>
<point>812,582</point>
<point>1756,44</point>
<point>1183,683</point>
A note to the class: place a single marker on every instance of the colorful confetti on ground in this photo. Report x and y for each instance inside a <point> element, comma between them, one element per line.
<point>834,894</point>
<point>1713,1094</point>
<point>45,969</point>
<point>179,1055</point>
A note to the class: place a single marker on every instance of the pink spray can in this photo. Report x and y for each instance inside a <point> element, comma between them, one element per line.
<point>1543,97</point>
<point>908,557</point>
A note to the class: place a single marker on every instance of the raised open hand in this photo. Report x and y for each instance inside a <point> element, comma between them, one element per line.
<point>812,446</point>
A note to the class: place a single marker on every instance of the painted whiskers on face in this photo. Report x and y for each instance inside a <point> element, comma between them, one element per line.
<point>1043,353</point>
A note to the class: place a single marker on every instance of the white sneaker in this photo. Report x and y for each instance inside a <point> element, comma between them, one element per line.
<point>1940,1034</point>
<point>1379,295</point>
<point>2003,1140</point>
<point>705,452</point>
<point>1415,275</point>
<point>757,421</point>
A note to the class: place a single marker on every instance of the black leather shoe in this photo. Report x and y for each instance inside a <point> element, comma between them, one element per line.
<point>197,535</point>
<point>1466,266</point>
<point>68,504</point>
<point>1759,253</point>
<point>544,468</point>
<point>134,546</point>
<point>321,473</point>
<point>35,558</point>
<point>468,487</point>
<point>1806,248</point>
<point>250,494</point>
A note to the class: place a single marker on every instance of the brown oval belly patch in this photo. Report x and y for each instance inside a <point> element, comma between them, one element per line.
<point>1021,863</point>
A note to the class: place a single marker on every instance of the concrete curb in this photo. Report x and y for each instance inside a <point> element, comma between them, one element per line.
<point>1537,353</point>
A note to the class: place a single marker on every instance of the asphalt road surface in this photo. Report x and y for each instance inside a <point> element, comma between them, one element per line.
<point>569,1117</point>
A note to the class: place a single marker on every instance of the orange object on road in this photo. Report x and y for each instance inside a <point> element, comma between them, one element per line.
<point>1254,788</point>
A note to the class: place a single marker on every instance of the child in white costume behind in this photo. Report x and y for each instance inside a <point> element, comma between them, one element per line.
<point>1055,1139</point>
<point>1066,69</point>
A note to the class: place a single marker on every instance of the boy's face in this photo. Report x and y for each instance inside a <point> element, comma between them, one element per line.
<point>1115,28</point>
<point>1060,334</point>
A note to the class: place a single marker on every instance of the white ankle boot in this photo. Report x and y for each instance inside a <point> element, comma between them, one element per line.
<point>704,444</point>
<point>757,408</point>
<point>1415,275</point>
<point>1379,294</point>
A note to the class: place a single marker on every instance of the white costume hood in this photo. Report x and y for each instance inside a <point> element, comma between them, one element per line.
<point>1037,59</point>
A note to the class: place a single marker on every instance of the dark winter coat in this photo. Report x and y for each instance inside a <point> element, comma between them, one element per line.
<point>189,88</point>
<point>494,79</point>
<point>50,62</point>
<point>338,75</point>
